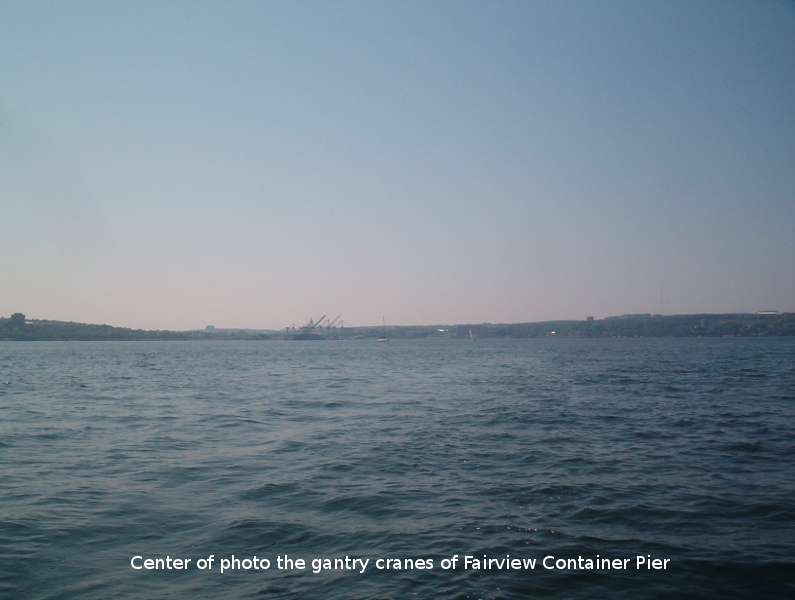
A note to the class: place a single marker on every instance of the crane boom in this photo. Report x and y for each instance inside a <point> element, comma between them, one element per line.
<point>312,323</point>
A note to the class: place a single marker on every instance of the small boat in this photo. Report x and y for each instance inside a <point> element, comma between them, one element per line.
<point>383,337</point>
<point>472,336</point>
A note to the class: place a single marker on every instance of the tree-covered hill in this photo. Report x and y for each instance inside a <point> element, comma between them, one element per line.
<point>42,330</point>
<point>18,328</point>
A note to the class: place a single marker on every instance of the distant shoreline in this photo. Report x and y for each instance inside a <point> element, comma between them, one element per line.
<point>18,328</point>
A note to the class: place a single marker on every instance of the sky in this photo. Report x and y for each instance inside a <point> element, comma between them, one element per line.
<point>172,165</point>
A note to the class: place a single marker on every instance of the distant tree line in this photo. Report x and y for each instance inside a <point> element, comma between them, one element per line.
<point>18,328</point>
<point>707,325</point>
<point>23,330</point>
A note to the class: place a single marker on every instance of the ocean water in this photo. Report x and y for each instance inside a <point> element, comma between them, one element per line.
<point>405,455</point>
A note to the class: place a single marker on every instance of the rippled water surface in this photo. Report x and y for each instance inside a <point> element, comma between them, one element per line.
<point>669,449</point>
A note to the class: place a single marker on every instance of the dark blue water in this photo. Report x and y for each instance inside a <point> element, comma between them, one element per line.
<point>417,451</point>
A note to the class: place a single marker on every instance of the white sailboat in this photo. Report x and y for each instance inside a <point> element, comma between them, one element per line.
<point>383,337</point>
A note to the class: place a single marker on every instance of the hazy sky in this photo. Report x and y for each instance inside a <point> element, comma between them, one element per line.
<point>169,165</point>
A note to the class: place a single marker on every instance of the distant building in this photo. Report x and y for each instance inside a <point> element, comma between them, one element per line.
<point>17,320</point>
<point>767,312</point>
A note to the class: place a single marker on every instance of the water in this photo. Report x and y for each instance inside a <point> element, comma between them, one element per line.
<point>665,449</point>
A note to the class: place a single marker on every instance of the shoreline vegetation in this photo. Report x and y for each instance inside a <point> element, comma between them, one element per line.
<point>19,328</point>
